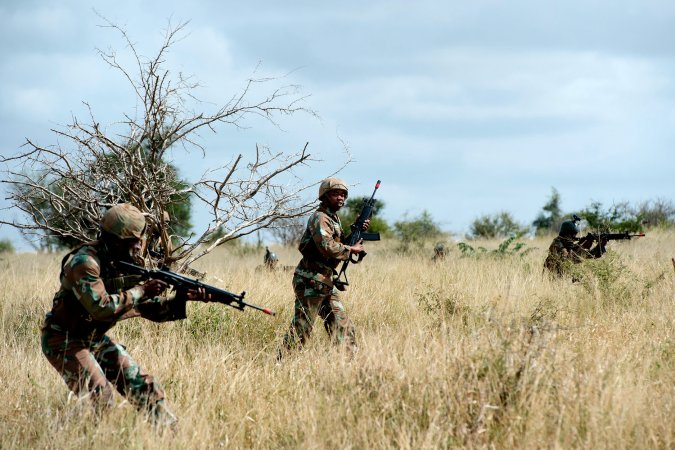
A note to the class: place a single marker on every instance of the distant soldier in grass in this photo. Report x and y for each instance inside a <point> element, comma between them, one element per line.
<point>157,236</point>
<point>439,252</point>
<point>567,249</point>
<point>160,254</point>
<point>322,250</point>
<point>94,296</point>
<point>271,263</point>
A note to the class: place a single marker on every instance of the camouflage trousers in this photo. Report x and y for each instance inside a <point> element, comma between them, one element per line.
<point>91,368</point>
<point>313,298</point>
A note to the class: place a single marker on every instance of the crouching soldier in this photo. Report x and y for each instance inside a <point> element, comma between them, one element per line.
<point>439,252</point>
<point>94,296</point>
<point>322,250</point>
<point>567,249</point>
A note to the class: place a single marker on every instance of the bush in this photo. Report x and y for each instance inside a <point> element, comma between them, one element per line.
<point>619,217</point>
<point>504,249</point>
<point>550,217</point>
<point>353,208</point>
<point>6,246</point>
<point>656,213</point>
<point>501,225</point>
<point>417,230</point>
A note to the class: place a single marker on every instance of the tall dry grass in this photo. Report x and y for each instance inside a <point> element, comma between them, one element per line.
<point>475,352</point>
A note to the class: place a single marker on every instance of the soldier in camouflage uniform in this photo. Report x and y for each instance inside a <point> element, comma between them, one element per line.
<point>271,260</point>
<point>322,250</point>
<point>439,252</point>
<point>161,255</point>
<point>271,263</point>
<point>94,296</point>
<point>156,238</point>
<point>566,249</point>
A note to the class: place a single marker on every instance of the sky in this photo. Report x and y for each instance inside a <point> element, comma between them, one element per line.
<point>460,108</point>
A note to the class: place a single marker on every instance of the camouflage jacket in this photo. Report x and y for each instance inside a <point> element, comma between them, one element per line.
<point>321,246</point>
<point>567,251</point>
<point>94,296</point>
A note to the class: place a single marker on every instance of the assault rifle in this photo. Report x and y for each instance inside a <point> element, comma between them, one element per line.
<point>610,236</point>
<point>179,282</point>
<point>189,271</point>
<point>356,235</point>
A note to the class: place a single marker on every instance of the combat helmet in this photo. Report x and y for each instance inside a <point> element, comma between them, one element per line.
<point>568,227</point>
<point>332,183</point>
<point>124,221</point>
<point>439,248</point>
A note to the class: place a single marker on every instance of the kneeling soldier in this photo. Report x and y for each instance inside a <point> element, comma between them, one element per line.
<point>567,249</point>
<point>94,296</point>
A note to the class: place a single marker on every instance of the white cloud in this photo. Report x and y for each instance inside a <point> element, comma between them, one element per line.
<point>460,107</point>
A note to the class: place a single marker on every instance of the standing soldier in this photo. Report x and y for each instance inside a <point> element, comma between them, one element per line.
<point>94,296</point>
<point>566,249</point>
<point>322,250</point>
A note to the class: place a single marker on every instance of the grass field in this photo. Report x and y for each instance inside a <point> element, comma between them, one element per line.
<point>474,352</point>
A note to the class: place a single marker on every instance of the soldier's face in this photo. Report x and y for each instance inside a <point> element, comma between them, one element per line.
<point>129,250</point>
<point>336,198</point>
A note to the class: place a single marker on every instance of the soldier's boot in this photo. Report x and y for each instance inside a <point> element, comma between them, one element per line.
<point>161,416</point>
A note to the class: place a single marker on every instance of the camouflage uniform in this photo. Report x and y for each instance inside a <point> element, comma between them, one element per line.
<point>92,298</point>
<point>155,242</point>
<point>565,251</point>
<point>439,252</point>
<point>271,263</point>
<point>322,251</point>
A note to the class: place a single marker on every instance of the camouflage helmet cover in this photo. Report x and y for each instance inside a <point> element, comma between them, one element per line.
<point>332,183</point>
<point>124,221</point>
<point>568,227</point>
<point>439,248</point>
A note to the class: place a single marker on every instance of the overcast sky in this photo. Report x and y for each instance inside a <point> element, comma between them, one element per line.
<point>461,108</point>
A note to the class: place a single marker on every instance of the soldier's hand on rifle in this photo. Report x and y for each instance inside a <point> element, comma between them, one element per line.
<point>198,294</point>
<point>586,241</point>
<point>366,224</point>
<point>152,288</point>
<point>357,248</point>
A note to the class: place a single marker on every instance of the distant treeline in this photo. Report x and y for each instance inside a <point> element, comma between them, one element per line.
<point>620,217</point>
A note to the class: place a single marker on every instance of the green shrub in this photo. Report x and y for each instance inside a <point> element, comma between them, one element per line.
<point>619,217</point>
<point>504,248</point>
<point>6,246</point>
<point>499,225</point>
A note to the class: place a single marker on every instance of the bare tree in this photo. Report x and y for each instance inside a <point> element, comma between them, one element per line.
<point>64,189</point>
<point>289,231</point>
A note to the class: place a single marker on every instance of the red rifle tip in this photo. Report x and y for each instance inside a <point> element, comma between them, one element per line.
<point>269,312</point>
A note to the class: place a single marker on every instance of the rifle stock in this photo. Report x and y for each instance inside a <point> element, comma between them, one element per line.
<point>180,282</point>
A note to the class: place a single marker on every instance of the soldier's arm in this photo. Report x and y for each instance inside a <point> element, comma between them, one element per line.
<point>163,309</point>
<point>322,234</point>
<point>578,253</point>
<point>85,276</point>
